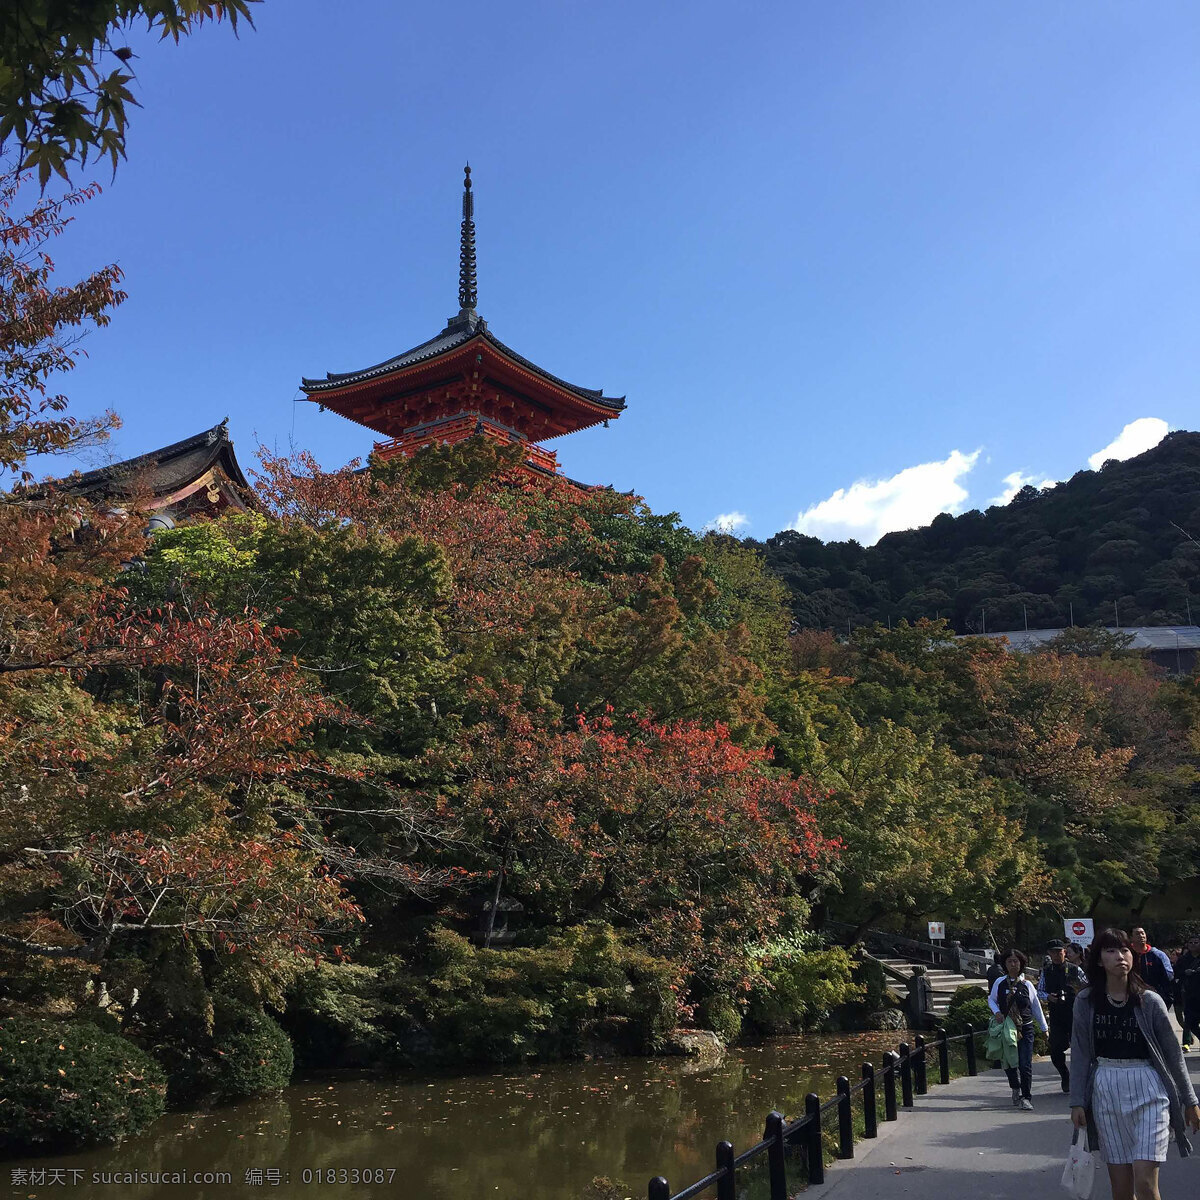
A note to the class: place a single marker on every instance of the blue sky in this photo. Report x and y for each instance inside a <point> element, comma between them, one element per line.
<point>853,261</point>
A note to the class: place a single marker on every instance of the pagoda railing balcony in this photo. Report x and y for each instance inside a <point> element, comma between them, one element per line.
<point>449,431</point>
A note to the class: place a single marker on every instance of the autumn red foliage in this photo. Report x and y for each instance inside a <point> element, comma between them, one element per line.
<point>668,829</point>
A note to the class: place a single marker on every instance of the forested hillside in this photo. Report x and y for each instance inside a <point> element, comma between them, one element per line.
<point>1122,535</point>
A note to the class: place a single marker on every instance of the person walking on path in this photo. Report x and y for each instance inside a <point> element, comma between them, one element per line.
<point>1012,995</point>
<point>1187,990</point>
<point>1057,986</point>
<point>1175,999</point>
<point>1130,1087</point>
<point>996,970</point>
<point>1152,965</point>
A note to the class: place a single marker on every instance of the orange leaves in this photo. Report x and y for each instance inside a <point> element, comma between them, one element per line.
<point>669,828</point>
<point>168,757</point>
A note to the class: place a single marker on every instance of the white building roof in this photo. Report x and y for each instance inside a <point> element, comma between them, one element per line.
<point>1144,637</point>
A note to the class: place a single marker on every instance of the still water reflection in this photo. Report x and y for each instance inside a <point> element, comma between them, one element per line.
<point>538,1134</point>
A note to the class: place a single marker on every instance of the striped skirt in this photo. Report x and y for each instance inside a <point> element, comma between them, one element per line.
<point>1132,1111</point>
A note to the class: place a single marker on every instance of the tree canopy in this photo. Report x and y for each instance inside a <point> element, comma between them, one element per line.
<point>1116,546</point>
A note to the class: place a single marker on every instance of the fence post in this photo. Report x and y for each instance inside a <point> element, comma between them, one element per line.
<point>726,1185</point>
<point>776,1156</point>
<point>815,1155</point>
<point>889,1085</point>
<point>660,1189</point>
<point>870,1118</point>
<point>845,1119</point>
<point>920,1082</point>
<point>972,1063</point>
<point>906,1092</point>
<point>943,1056</point>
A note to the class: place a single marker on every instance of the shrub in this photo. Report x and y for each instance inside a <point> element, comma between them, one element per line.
<point>722,1014</point>
<point>173,1018</point>
<point>335,1016</point>
<point>796,987</point>
<point>868,975</point>
<point>253,1055</point>
<point>580,987</point>
<point>245,1054</point>
<point>67,1086</point>
<point>974,1011</point>
<point>964,994</point>
<point>102,1018</point>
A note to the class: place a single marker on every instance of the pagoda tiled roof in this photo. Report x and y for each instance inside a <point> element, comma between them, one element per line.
<point>168,468</point>
<point>458,332</point>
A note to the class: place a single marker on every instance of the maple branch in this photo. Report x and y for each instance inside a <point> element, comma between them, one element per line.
<point>89,952</point>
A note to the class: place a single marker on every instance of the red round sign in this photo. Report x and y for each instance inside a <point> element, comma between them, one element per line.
<point>1079,929</point>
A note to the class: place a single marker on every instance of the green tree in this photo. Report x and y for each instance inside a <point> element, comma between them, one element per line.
<point>920,833</point>
<point>1090,641</point>
<point>1059,557</point>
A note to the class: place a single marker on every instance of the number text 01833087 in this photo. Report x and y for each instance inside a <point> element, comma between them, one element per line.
<point>349,1175</point>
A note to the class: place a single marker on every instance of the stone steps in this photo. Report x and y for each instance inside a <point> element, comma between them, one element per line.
<point>940,974</point>
<point>943,982</point>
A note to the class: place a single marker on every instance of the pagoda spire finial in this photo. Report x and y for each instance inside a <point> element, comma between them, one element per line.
<point>467,294</point>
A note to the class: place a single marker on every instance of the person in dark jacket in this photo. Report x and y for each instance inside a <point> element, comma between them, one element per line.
<point>1152,965</point>
<point>996,970</point>
<point>1187,990</point>
<point>1057,986</point>
<point>1175,1000</point>
<point>1130,1087</point>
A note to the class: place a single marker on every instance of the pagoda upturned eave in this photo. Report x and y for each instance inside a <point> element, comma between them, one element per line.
<point>457,335</point>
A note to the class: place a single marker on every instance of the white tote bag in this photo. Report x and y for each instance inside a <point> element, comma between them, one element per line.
<point>1079,1175</point>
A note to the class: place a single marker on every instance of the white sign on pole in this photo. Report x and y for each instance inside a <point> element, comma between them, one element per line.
<point>937,931</point>
<point>1079,929</point>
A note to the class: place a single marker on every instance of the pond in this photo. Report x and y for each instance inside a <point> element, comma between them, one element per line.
<point>540,1133</point>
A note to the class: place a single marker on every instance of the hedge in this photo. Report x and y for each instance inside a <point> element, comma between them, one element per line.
<point>67,1086</point>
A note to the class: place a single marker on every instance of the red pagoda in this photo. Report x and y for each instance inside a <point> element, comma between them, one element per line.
<point>461,383</point>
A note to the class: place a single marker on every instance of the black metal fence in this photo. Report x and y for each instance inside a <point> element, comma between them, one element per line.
<point>907,1065</point>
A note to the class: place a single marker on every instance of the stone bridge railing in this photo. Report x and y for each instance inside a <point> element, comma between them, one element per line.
<point>951,955</point>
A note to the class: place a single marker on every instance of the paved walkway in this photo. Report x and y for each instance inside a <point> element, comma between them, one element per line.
<point>965,1140</point>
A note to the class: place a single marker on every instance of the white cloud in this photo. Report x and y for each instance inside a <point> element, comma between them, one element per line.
<point>1136,438</point>
<point>729,522</point>
<point>1015,481</point>
<point>868,509</point>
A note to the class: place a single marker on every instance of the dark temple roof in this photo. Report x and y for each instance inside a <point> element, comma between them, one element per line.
<point>457,333</point>
<point>168,469</point>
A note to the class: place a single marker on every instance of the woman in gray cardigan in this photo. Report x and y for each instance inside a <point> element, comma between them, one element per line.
<point>1129,1085</point>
